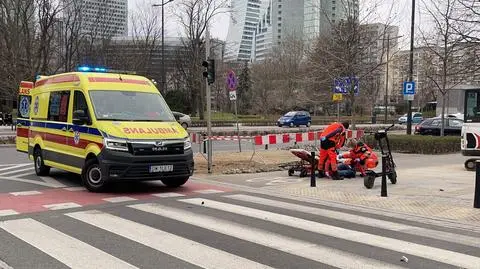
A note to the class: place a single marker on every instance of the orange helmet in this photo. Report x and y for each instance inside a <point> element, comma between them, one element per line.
<point>371,163</point>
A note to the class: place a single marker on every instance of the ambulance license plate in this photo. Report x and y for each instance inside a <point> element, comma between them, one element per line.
<point>161,168</point>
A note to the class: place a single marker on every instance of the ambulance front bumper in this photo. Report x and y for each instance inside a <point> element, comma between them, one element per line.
<point>117,165</point>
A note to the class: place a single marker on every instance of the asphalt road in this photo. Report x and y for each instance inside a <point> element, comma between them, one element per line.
<point>204,226</point>
<point>52,222</point>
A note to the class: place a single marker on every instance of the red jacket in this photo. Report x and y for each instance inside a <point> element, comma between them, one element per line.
<point>335,132</point>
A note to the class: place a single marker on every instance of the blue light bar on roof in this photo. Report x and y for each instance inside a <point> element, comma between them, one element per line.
<point>91,69</point>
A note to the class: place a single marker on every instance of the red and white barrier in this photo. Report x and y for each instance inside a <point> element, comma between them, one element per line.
<point>273,139</point>
<point>298,137</point>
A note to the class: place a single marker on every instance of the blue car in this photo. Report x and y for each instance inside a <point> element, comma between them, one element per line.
<point>417,117</point>
<point>295,118</point>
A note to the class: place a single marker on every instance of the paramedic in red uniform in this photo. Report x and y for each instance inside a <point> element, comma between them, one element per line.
<point>332,138</point>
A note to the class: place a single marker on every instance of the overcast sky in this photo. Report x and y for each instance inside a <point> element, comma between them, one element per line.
<point>399,15</point>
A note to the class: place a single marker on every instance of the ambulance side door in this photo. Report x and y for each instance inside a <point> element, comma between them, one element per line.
<point>78,137</point>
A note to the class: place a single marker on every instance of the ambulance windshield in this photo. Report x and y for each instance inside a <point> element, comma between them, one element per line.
<point>130,106</point>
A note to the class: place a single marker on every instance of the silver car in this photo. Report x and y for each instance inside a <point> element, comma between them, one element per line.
<point>183,119</point>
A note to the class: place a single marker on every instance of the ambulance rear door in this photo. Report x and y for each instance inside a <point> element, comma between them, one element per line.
<point>23,115</point>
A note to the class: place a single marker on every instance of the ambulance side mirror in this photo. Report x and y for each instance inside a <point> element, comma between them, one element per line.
<point>80,118</point>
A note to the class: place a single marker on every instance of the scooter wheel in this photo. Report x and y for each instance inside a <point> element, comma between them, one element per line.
<point>470,164</point>
<point>369,181</point>
<point>393,177</point>
<point>291,171</point>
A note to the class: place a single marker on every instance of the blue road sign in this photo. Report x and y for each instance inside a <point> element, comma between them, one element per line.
<point>344,84</point>
<point>408,87</point>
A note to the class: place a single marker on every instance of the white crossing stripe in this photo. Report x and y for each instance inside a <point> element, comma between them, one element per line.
<point>388,225</point>
<point>16,171</point>
<point>176,246</point>
<point>432,253</point>
<point>30,181</point>
<point>66,249</point>
<point>119,199</point>
<point>62,206</point>
<point>15,166</point>
<point>7,212</point>
<point>24,174</point>
<point>25,193</point>
<point>209,191</point>
<point>325,255</point>
<point>167,194</point>
<point>75,189</point>
<point>53,182</point>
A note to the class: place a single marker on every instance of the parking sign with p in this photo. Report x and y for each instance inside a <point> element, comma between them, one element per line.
<point>408,88</point>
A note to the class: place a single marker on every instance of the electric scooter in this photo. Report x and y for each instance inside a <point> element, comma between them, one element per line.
<point>384,145</point>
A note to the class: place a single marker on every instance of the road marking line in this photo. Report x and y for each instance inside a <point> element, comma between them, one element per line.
<point>15,166</point>
<point>75,189</point>
<point>61,206</point>
<point>210,191</point>
<point>176,246</point>
<point>16,171</point>
<point>322,254</point>
<point>25,193</point>
<point>66,249</point>
<point>7,212</point>
<point>432,253</point>
<point>119,199</point>
<point>168,194</point>
<point>30,181</point>
<point>388,225</point>
<point>24,174</point>
<point>53,182</point>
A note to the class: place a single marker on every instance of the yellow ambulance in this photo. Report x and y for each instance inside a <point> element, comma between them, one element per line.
<point>104,126</point>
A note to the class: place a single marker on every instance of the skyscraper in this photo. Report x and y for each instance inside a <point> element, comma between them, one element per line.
<point>320,15</point>
<point>279,20</point>
<point>100,18</point>
<point>241,31</point>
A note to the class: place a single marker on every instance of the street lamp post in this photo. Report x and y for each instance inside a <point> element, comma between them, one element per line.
<point>163,42</point>
<point>410,73</point>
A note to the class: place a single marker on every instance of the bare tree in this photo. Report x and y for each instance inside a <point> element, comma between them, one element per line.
<point>17,32</point>
<point>195,16</point>
<point>448,46</point>
<point>352,48</point>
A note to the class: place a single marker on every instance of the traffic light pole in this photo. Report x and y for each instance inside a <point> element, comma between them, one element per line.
<point>209,104</point>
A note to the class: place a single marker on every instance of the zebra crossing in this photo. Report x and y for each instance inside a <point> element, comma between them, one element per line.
<point>229,230</point>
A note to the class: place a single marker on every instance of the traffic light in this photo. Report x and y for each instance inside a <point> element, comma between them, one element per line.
<point>210,70</point>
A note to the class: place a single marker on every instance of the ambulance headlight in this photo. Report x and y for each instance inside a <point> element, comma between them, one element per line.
<point>187,144</point>
<point>116,144</point>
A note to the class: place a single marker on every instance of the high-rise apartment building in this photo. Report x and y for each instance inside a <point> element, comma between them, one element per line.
<point>279,20</point>
<point>245,15</point>
<point>100,18</point>
<point>319,15</point>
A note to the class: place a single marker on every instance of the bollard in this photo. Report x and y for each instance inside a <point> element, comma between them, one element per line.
<point>476,199</point>
<point>312,171</point>
<point>266,146</point>
<point>384,176</point>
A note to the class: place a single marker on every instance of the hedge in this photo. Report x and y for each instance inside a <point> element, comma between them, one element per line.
<point>419,144</point>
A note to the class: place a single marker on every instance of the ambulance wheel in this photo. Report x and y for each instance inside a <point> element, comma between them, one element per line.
<point>174,182</point>
<point>369,181</point>
<point>470,164</point>
<point>40,168</point>
<point>92,177</point>
<point>291,171</point>
<point>393,177</point>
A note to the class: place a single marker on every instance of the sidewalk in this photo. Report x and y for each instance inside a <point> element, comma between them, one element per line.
<point>444,192</point>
